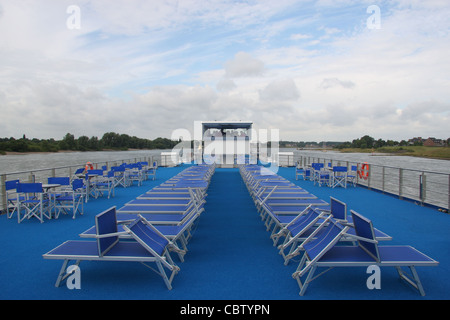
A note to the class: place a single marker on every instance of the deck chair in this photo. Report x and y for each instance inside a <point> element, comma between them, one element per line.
<point>178,234</point>
<point>134,173</point>
<point>323,252</point>
<point>12,197</point>
<point>274,222</point>
<point>63,182</point>
<point>120,178</point>
<point>105,185</point>
<point>338,210</point>
<point>299,171</point>
<point>92,177</point>
<point>150,246</point>
<point>339,177</point>
<point>323,177</point>
<point>34,202</point>
<point>79,173</point>
<point>352,175</point>
<point>70,200</point>
<point>151,172</point>
<point>294,229</point>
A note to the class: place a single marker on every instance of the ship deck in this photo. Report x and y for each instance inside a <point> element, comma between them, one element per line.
<point>230,257</point>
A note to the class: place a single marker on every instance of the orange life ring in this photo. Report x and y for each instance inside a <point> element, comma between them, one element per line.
<point>89,166</point>
<point>364,172</point>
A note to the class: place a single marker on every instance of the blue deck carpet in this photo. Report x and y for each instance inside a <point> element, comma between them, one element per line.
<point>230,255</point>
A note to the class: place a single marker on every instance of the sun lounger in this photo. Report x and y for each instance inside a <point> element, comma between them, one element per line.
<point>338,210</point>
<point>179,234</point>
<point>158,218</point>
<point>147,206</point>
<point>322,251</point>
<point>150,246</point>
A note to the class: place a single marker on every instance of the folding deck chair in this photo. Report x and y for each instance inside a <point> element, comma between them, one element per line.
<point>339,177</point>
<point>299,171</point>
<point>151,171</point>
<point>298,230</point>
<point>150,246</point>
<point>120,177</point>
<point>338,210</point>
<point>129,213</point>
<point>352,175</point>
<point>34,202</point>
<point>134,173</point>
<point>178,234</point>
<point>12,197</point>
<point>140,206</point>
<point>300,224</point>
<point>322,251</point>
<point>71,199</point>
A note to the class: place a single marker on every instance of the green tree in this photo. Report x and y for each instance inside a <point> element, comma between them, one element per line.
<point>68,142</point>
<point>83,143</point>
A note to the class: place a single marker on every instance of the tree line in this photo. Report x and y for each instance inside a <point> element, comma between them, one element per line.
<point>109,141</point>
<point>369,142</point>
<point>365,142</point>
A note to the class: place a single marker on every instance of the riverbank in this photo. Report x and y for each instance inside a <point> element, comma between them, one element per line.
<point>13,153</point>
<point>441,153</point>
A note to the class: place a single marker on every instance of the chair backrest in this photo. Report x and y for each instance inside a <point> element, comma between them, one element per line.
<point>149,237</point>
<point>364,229</point>
<point>340,169</point>
<point>303,220</point>
<point>79,171</point>
<point>338,209</point>
<point>77,184</point>
<point>96,171</point>
<point>64,181</point>
<point>106,223</point>
<point>29,188</point>
<point>328,236</point>
<point>11,185</point>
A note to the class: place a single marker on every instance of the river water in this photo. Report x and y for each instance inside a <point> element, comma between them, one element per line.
<point>384,176</point>
<point>36,161</point>
<point>405,162</point>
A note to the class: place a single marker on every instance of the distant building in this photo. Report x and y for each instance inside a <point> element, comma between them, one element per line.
<point>433,142</point>
<point>415,141</point>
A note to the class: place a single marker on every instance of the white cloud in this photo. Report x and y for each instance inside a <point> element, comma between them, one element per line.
<point>310,68</point>
<point>244,65</point>
<point>335,82</point>
<point>280,90</point>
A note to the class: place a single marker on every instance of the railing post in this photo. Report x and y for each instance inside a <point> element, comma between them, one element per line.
<point>382,178</point>
<point>3,193</point>
<point>423,187</point>
<point>400,183</point>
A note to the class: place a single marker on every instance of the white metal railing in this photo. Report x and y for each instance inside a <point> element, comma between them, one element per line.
<point>425,187</point>
<point>41,175</point>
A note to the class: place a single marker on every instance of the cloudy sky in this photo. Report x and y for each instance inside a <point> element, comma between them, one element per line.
<point>315,70</point>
